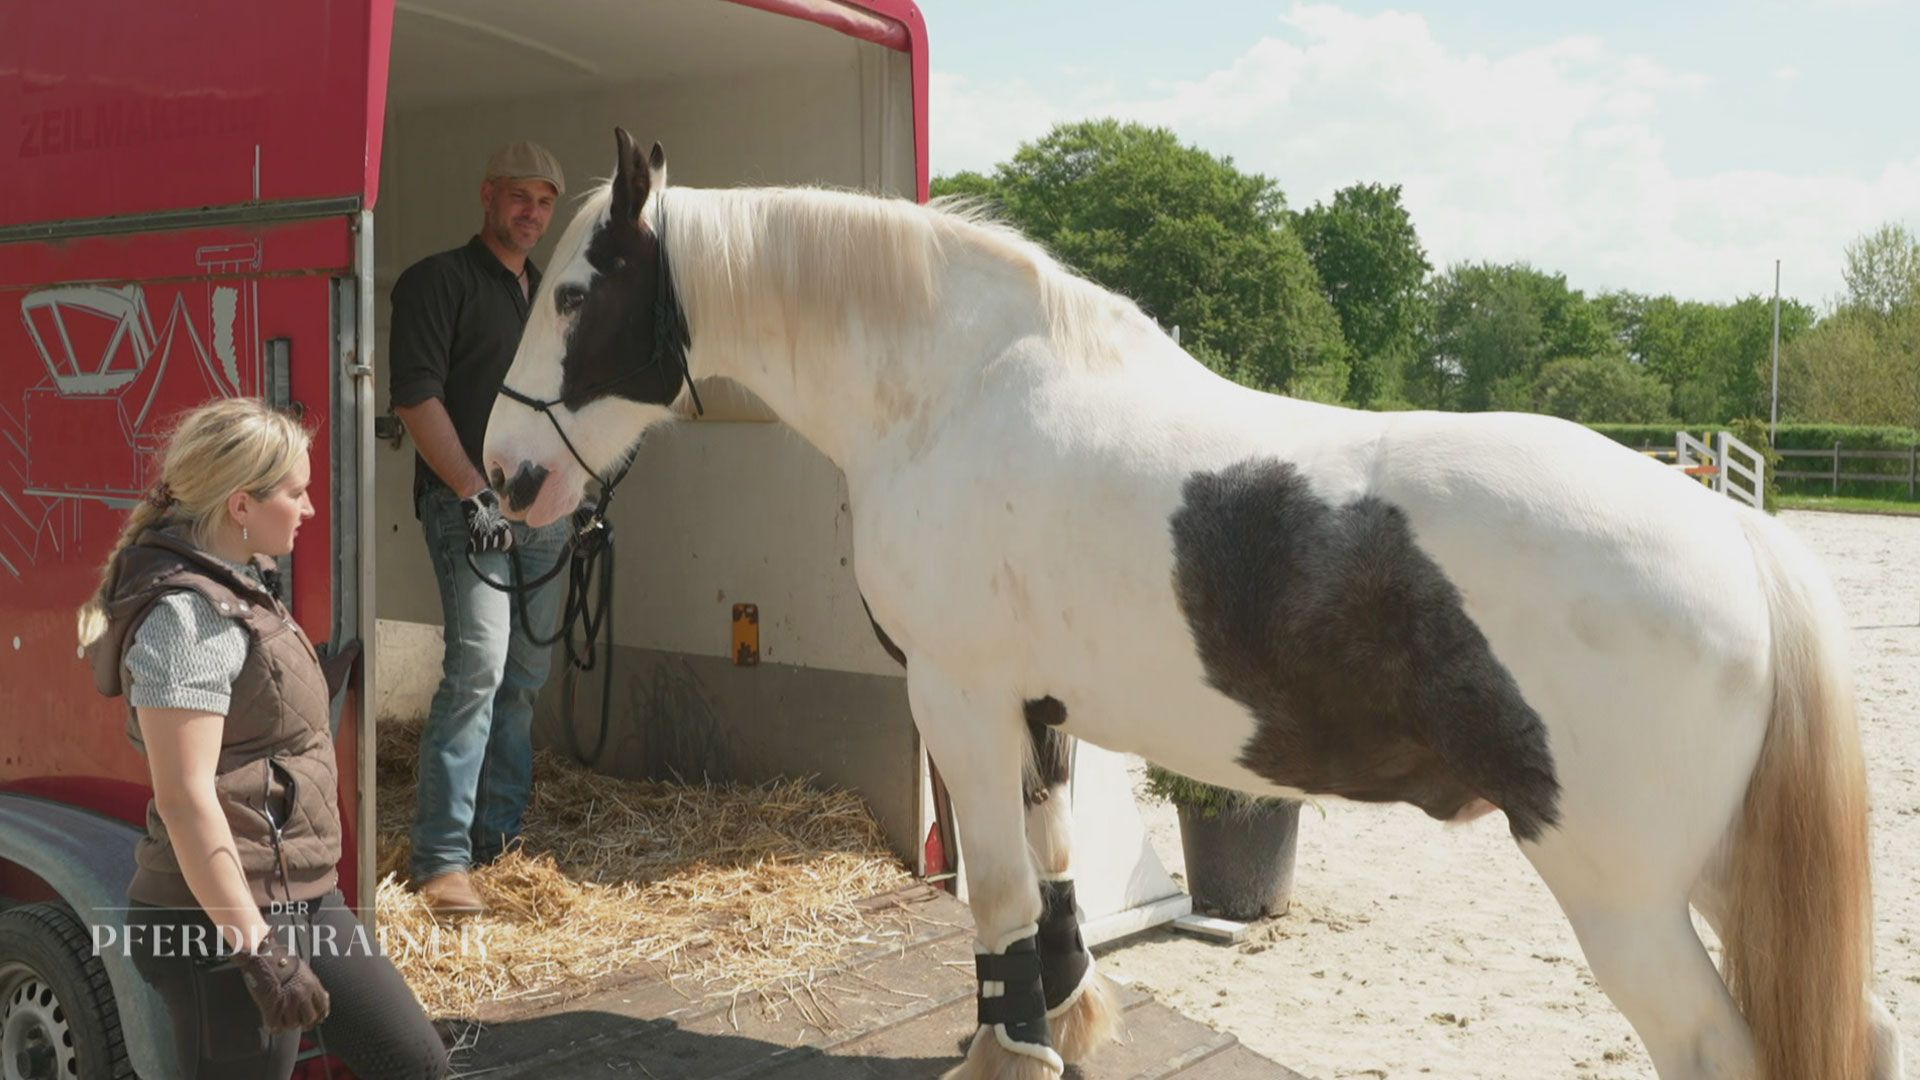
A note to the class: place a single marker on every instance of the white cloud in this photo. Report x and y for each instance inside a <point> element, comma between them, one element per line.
<point>1552,154</point>
<point>974,126</point>
<point>1786,74</point>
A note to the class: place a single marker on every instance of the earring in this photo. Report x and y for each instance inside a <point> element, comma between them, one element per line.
<point>244,537</point>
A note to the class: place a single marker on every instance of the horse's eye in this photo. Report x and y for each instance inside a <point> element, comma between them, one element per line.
<point>568,298</point>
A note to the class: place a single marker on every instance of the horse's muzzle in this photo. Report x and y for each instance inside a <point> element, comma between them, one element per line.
<point>520,492</point>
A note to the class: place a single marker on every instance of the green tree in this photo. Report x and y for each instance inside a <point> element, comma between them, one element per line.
<point>1491,329</point>
<point>1882,271</point>
<point>1858,366</point>
<point>1674,341</point>
<point>1608,389</point>
<point>1485,328</point>
<point>965,185</point>
<point>1684,344</point>
<point>1373,268</point>
<point>1715,358</point>
<point>1743,370</point>
<point>1196,242</point>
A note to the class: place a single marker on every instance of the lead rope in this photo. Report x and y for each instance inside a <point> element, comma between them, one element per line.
<point>590,608</point>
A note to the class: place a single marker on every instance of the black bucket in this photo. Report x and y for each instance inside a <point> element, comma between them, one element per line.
<point>1240,861</point>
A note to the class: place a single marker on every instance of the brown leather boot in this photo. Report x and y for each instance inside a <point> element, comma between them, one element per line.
<point>452,893</point>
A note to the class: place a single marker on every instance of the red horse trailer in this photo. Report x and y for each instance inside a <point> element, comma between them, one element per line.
<point>194,209</point>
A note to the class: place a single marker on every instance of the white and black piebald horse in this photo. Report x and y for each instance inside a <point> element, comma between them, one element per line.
<point>1067,525</point>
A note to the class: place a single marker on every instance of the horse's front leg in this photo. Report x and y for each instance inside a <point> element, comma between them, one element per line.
<point>1082,1008</point>
<point>977,735</point>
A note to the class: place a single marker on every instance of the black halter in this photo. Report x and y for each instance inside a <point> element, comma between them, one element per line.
<point>592,533</point>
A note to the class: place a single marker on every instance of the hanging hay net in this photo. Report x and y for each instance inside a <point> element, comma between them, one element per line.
<point>747,890</point>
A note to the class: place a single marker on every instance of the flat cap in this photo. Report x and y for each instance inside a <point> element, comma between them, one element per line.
<point>526,161</point>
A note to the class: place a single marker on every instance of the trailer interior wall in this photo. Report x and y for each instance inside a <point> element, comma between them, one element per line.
<point>717,512</point>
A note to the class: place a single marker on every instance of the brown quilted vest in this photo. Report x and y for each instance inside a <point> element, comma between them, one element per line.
<point>276,754</point>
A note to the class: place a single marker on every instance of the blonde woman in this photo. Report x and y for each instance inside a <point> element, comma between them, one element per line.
<point>234,915</point>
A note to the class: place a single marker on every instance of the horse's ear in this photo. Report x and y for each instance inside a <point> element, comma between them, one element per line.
<point>632,178</point>
<point>657,166</point>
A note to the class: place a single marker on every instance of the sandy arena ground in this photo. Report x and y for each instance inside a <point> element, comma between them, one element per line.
<point>1418,950</point>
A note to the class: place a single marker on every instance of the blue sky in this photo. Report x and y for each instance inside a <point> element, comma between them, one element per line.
<point>1676,147</point>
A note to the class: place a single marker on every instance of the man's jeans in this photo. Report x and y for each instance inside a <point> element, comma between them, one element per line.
<point>476,753</point>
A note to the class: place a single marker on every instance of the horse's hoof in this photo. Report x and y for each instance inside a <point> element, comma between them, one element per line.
<point>1091,1019</point>
<point>988,1060</point>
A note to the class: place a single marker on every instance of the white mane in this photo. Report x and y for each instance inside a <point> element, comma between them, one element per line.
<point>815,253</point>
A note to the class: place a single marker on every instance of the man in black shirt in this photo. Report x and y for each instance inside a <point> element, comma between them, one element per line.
<point>456,322</point>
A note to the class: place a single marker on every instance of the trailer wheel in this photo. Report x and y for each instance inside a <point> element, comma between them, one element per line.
<point>57,1016</point>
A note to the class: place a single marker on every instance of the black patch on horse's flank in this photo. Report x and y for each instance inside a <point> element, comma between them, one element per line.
<point>524,488</point>
<point>610,340</point>
<point>1052,748</point>
<point>1353,651</point>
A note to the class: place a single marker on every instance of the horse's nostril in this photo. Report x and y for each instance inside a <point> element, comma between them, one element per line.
<point>497,480</point>
<point>525,486</point>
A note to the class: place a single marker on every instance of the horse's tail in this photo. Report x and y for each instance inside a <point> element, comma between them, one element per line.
<point>1799,926</point>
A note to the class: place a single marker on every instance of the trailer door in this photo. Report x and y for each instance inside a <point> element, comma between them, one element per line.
<point>187,217</point>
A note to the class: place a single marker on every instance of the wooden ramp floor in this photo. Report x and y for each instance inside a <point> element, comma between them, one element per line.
<point>900,1012</point>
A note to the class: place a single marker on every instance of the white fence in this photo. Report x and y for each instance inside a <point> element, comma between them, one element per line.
<point>1729,466</point>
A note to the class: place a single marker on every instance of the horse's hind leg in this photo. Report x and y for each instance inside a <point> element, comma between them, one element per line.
<point>1887,1063</point>
<point>1640,944</point>
<point>979,738</point>
<point>1082,1007</point>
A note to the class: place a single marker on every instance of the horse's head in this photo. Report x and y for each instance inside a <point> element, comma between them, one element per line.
<point>593,371</point>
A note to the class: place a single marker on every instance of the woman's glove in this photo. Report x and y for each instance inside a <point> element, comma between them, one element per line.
<point>286,989</point>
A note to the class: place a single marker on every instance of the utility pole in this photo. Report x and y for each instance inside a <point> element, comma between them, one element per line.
<point>1773,421</point>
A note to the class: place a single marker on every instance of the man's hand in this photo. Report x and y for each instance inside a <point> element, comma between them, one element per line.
<point>487,528</point>
<point>433,433</point>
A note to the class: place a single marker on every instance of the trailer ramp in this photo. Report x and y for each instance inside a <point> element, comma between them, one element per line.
<point>901,1012</point>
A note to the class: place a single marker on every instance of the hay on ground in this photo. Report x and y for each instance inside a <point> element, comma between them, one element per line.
<point>748,889</point>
